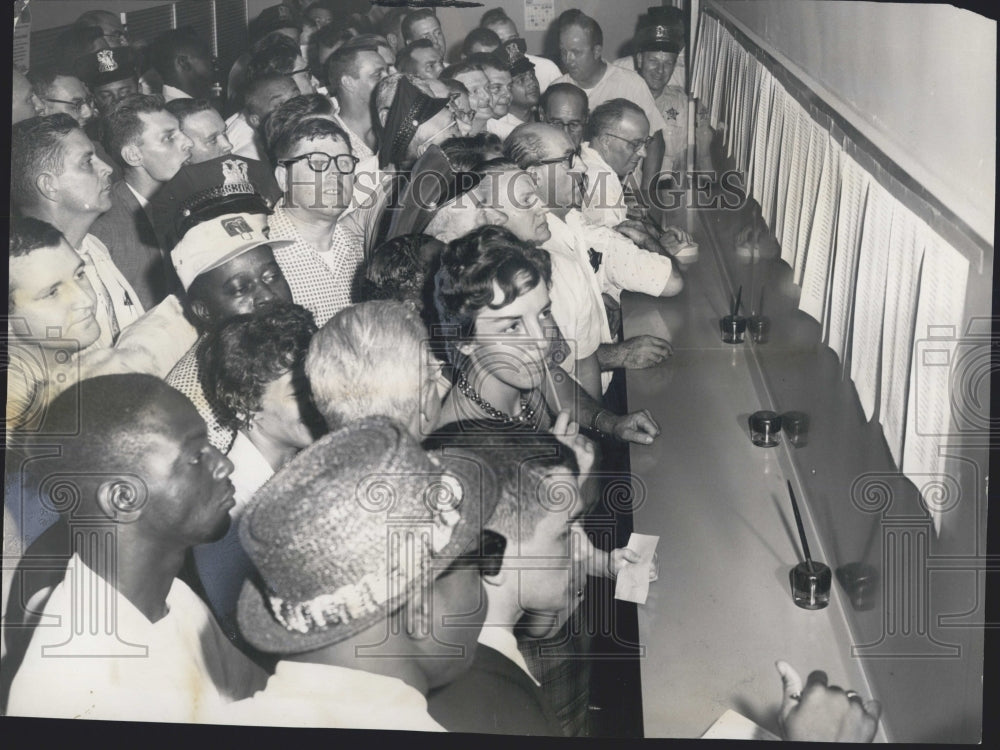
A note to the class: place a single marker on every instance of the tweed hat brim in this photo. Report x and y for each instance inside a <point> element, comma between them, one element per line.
<point>410,109</point>
<point>264,632</point>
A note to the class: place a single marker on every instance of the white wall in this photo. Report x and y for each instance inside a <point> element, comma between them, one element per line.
<point>918,79</point>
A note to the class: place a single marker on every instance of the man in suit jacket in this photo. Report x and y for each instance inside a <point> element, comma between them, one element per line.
<point>148,143</point>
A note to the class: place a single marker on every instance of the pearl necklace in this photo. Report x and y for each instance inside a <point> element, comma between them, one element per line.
<point>527,415</point>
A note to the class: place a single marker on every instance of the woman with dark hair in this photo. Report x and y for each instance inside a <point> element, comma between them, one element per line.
<point>492,300</point>
<point>252,370</point>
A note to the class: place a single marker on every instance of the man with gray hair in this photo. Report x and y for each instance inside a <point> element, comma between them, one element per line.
<point>373,359</point>
<point>548,155</point>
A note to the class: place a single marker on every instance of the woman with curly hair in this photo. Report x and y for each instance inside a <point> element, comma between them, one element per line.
<point>252,370</point>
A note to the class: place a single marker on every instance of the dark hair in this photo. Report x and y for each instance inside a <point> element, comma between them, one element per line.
<point>242,357</point>
<point>165,48</point>
<point>472,264</point>
<point>184,108</point>
<point>260,26</point>
<point>460,68</point>
<point>28,234</point>
<point>574,17</point>
<point>36,147</point>
<point>488,60</point>
<point>276,54</point>
<point>562,88</point>
<point>121,124</point>
<point>608,114</point>
<point>397,270</point>
<point>344,61</point>
<point>390,23</point>
<point>306,130</point>
<point>404,58</point>
<point>481,36</point>
<point>494,16</point>
<point>466,153</point>
<point>332,35</point>
<point>72,44</point>
<point>292,112</point>
<point>42,77</point>
<point>413,17</point>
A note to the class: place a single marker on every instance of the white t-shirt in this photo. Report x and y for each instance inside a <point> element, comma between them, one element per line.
<point>301,694</point>
<point>80,664</point>
<point>502,126</point>
<point>604,204</point>
<point>676,78</point>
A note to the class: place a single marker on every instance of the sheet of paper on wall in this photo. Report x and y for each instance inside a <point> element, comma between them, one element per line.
<point>938,348</point>
<point>539,14</point>
<point>819,246</point>
<point>772,158</point>
<point>632,584</point>
<point>869,296</point>
<point>906,250</point>
<point>819,141</point>
<point>850,210</point>
<point>736,726</point>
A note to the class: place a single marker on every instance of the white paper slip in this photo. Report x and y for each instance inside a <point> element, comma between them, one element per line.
<point>734,726</point>
<point>633,580</point>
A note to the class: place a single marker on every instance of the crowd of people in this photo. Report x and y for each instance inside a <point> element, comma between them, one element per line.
<point>309,368</point>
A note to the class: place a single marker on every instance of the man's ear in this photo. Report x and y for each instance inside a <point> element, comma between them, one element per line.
<point>200,311</point>
<point>121,499</point>
<point>131,155</point>
<point>280,174</point>
<point>598,51</point>
<point>253,120</point>
<point>47,185</point>
<point>498,580</point>
<point>182,64</point>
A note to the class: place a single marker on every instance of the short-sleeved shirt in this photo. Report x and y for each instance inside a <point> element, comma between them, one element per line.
<point>321,279</point>
<point>173,669</point>
<point>605,202</point>
<point>358,146</point>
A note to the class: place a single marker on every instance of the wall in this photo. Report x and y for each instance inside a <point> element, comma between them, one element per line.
<point>617,20</point>
<point>919,80</point>
<point>46,14</point>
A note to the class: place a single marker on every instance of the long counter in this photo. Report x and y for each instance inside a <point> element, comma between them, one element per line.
<point>721,612</point>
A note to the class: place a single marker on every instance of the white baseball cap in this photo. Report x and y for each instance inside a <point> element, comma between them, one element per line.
<point>211,243</point>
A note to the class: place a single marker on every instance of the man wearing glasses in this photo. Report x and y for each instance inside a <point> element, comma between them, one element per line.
<point>61,92</point>
<point>614,263</point>
<point>110,24</point>
<point>565,106</point>
<point>314,167</point>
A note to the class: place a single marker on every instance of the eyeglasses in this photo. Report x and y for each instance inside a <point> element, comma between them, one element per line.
<point>570,158</point>
<point>319,161</point>
<point>465,115</point>
<point>489,559</point>
<point>575,125</point>
<point>76,105</point>
<point>635,144</point>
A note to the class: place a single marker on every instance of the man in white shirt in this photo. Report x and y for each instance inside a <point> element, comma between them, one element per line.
<point>580,46</point>
<point>200,122</point>
<point>352,74</point>
<point>149,145</point>
<point>185,63</point>
<point>548,154</point>
<point>263,96</point>
<point>500,23</point>
<point>362,618</point>
<point>149,483</point>
<point>57,177</point>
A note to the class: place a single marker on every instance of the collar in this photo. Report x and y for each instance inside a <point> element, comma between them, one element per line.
<point>172,92</point>
<point>143,202</point>
<point>500,639</point>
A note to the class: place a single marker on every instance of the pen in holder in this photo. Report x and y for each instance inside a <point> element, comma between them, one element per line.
<point>733,326</point>
<point>810,580</point>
